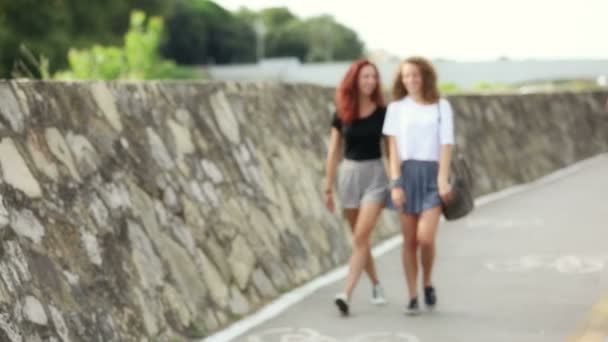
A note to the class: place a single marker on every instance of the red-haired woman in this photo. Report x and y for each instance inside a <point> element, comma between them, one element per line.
<point>362,180</point>
<point>420,132</point>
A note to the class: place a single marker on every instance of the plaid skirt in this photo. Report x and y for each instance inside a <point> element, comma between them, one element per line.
<point>419,181</point>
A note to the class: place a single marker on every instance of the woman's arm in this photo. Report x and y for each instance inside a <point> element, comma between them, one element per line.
<point>331,164</point>
<point>394,170</point>
<point>390,129</point>
<point>445,151</point>
<point>445,160</point>
<point>397,193</point>
<point>385,158</point>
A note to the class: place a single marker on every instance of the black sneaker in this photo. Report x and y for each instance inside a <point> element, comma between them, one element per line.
<point>412,308</point>
<point>342,303</point>
<point>430,298</point>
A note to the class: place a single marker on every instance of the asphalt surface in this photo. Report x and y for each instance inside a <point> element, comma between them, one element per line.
<point>526,267</point>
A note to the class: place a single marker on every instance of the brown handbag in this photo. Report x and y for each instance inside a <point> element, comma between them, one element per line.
<point>461,201</point>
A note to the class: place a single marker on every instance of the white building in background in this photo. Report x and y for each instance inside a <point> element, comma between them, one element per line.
<point>464,74</point>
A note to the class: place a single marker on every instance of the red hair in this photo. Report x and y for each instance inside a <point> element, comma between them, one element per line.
<point>347,94</point>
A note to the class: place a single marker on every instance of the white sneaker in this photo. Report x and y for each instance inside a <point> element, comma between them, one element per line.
<point>342,303</point>
<point>377,295</point>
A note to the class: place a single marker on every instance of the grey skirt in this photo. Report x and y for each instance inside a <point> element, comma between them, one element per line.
<point>419,181</point>
<point>362,181</point>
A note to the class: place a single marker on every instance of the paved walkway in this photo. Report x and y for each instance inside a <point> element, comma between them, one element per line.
<point>532,266</point>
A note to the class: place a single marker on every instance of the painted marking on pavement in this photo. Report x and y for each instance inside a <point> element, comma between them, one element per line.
<point>311,335</point>
<point>566,264</point>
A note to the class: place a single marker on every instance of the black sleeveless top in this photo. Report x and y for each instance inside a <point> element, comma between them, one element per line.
<point>362,137</point>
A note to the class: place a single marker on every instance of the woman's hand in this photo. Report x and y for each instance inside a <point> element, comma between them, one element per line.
<point>445,190</point>
<point>398,197</point>
<point>329,200</point>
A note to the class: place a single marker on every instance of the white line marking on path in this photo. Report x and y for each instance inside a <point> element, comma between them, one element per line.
<point>566,264</point>
<point>311,335</point>
<point>288,299</point>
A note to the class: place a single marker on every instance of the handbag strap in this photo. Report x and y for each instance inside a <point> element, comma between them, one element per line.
<point>439,114</point>
<point>438,120</point>
<point>439,127</point>
<point>452,166</point>
<point>458,164</point>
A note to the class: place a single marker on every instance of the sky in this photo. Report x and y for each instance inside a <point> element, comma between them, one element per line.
<point>465,29</point>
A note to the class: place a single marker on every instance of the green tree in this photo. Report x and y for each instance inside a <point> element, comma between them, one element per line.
<point>276,17</point>
<point>283,33</point>
<point>346,43</point>
<point>487,86</point>
<point>289,40</point>
<point>137,59</point>
<point>36,34</point>
<point>286,35</point>
<point>43,26</point>
<point>329,40</point>
<point>247,15</point>
<point>200,31</point>
<point>449,87</point>
<point>4,39</point>
<point>316,39</point>
<point>49,28</point>
<point>313,40</point>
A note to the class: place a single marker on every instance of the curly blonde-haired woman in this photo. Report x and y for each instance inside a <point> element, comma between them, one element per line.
<point>420,132</point>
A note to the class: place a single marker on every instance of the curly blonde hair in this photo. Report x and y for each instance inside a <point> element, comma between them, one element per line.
<point>430,91</point>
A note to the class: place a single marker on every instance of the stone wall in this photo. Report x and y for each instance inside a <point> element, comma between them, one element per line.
<point>165,211</point>
<point>161,210</point>
<point>512,139</point>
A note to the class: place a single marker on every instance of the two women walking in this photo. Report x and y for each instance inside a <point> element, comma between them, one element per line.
<point>417,130</point>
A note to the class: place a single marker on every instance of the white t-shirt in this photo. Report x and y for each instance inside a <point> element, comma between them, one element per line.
<point>418,128</point>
